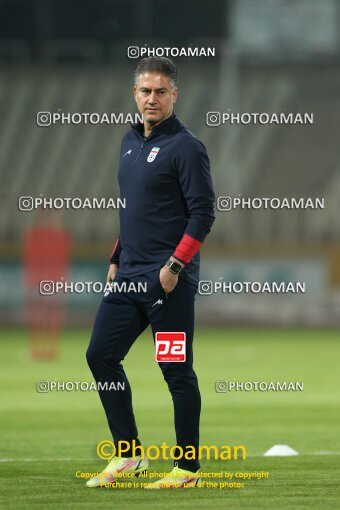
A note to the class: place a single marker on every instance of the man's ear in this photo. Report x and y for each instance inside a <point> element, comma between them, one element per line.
<point>175,93</point>
<point>135,92</point>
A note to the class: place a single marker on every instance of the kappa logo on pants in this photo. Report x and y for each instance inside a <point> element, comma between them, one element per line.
<point>170,346</point>
<point>153,153</point>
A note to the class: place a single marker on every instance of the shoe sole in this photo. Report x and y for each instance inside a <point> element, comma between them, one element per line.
<point>102,485</point>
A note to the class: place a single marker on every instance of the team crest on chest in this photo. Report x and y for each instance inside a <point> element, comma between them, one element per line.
<point>153,153</point>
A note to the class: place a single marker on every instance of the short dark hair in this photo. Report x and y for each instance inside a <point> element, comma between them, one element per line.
<point>161,65</point>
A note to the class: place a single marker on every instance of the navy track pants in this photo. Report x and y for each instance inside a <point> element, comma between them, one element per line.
<point>121,318</point>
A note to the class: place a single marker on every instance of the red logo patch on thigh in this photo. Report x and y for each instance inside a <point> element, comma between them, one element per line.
<point>170,346</point>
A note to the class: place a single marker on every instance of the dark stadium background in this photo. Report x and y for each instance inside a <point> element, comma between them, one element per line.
<point>272,57</point>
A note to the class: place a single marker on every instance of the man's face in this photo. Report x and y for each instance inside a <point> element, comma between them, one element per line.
<point>154,97</point>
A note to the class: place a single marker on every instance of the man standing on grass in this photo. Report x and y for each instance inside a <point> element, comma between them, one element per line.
<point>165,177</point>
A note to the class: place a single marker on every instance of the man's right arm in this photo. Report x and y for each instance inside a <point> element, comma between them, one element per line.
<point>114,258</point>
<point>114,261</point>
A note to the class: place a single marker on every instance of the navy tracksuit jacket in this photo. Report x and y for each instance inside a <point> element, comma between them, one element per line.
<point>167,185</point>
<point>166,181</point>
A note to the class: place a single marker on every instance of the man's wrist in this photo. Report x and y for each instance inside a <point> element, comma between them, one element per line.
<point>175,266</point>
<point>173,259</point>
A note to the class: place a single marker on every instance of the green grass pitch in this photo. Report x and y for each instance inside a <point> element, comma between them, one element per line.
<point>46,438</point>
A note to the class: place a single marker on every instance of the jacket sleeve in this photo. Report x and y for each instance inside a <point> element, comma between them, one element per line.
<point>117,248</point>
<point>193,168</point>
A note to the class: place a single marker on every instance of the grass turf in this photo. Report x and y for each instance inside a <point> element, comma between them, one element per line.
<point>46,438</point>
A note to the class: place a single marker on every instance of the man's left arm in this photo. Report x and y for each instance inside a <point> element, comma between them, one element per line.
<point>193,167</point>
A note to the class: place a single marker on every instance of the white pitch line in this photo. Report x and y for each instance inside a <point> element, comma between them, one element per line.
<point>56,459</point>
<point>326,453</point>
<point>70,459</point>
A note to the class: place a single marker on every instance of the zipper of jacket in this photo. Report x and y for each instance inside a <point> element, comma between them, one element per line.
<point>141,148</point>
